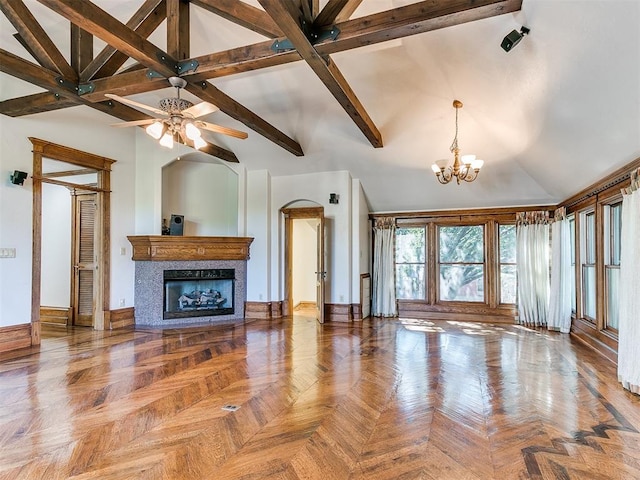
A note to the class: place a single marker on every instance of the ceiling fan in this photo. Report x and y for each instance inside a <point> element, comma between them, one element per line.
<point>177,117</point>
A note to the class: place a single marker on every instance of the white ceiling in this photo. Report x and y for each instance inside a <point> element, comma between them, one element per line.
<point>555,114</point>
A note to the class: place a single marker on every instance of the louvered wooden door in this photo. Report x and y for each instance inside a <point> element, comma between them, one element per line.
<point>84,259</point>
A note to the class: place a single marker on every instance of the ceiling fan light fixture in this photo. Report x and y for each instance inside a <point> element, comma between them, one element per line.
<point>198,143</point>
<point>192,131</point>
<point>463,169</point>
<point>156,129</point>
<point>167,140</point>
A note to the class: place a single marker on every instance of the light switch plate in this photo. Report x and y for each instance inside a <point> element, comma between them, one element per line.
<point>7,253</point>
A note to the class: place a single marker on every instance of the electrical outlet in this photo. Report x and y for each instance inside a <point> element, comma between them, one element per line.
<point>123,250</point>
<point>260,297</point>
<point>122,302</point>
<point>7,253</point>
<point>341,298</point>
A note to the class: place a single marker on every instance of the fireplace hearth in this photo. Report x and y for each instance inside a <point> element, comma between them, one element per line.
<point>198,293</point>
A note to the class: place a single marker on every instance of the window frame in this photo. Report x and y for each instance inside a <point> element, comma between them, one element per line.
<point>423,263</point>
<point>610,262</point>
<point>588,260</point>
<point>438,265</point>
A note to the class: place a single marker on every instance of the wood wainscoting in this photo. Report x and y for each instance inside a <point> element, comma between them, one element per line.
<point>120,318</point>
<point>55,315</point>
<point>261,310</point>
<point>15,337</point>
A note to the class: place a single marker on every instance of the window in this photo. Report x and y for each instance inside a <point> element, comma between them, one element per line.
<point>410,263</point>
<point>508,279</point>
<point>613,225</point>
<point>588,260</point>
<point>461,263</point>
<point>572,235</point>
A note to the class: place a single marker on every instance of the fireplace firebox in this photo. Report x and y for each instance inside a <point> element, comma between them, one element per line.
<point>198,293</point>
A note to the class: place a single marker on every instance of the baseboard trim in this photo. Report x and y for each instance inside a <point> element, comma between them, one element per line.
<point>120,318</point>
<point>276,309</point>
<point>55,315</point>
<point>15,337</point>
<point>338,312</point>
<point>259,310</point>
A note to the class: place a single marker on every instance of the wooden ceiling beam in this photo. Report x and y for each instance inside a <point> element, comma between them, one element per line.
<point>209,93</point>
<point>36,103</point>
<point>178,38</point>
<point>325,69</point>
<point>242,14</point>
<point>18,67</point>
<point>81,48</point>
<point>144,22</point>
<point>336,11</point>
<point>380,27</point>
<point>99,23</point>
<point>39,43</point>
<point>413,19</point>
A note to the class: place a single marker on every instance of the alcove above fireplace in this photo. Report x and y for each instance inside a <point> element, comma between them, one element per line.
<point>182,280</point>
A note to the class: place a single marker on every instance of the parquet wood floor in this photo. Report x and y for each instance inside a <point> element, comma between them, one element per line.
<point>374,400</point>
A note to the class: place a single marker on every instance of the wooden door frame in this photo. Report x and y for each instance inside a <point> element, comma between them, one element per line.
<point>102,166</point>
<point>291,214</point>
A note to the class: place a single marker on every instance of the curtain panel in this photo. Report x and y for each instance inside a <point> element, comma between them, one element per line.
<point>532,252</point>
<point>560,298</point>
<point>384,275</point>
<point>629,298</point>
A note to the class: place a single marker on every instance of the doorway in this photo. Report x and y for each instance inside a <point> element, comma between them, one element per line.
<point>304,257</point>
<point>74,163</point>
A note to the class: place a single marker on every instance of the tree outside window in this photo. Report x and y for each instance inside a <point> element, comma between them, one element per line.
<point>410,263</point>
<point>461,263</point>
<point>508,278</point>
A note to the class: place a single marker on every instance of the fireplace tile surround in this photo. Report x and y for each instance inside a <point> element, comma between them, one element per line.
<point>155,254</point>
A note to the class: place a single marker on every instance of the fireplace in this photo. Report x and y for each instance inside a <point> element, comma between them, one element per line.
<point>189,280</point>
<point>198,293</point>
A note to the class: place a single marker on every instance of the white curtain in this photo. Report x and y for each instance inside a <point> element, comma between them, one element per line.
<point>384,276</point>
<point>629,321</point>
<point>560,298</point>
<point>532,252</point>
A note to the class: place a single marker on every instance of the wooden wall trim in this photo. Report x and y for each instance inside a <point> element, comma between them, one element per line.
<point>457,311</point>
<point>55,315</point>
<point>276,309</point>
<point>587,333</point>
<point>261,310</point>
<point>14,337</point>
<point>473,212</point>
<point>338,312</point>
<point>167,247</point>
<point>120,318</point>
<point>616,178</point>
<point>70,155</point>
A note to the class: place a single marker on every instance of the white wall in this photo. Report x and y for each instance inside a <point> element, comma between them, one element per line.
<point>316,187</point>
<point>304,261</point>
<point>205,193</point>
<point>258,203</point>
<point>361,238</point>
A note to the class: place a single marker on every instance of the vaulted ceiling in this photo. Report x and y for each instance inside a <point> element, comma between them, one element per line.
<point>364,86</point>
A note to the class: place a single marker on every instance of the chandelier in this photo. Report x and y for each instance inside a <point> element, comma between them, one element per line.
<point>465,168</point>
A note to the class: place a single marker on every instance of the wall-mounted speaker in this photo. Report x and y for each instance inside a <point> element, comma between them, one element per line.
<point>177,225</point>
<point>18,177</point>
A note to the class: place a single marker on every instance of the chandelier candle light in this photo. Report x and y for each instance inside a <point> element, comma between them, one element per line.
<point>466,169</point>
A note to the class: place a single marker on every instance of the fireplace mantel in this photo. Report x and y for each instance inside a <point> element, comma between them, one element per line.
<point>167,248</point>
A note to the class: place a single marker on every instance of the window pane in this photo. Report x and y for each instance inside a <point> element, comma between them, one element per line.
<point>616,225</point>
<point>410,245</point>
<point>508,284</point>
<point>613,286</point>
<point>464,283</point>
<point>410,282</point>
<point>590,234</point>
<point>507,243</point>
<point>589,291</point>
<point>462,244</point>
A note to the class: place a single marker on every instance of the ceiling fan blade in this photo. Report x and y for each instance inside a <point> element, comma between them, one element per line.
<point>212,127</point>
<point>146,121</point>
<point>133,103</point>
<point>200,109</point>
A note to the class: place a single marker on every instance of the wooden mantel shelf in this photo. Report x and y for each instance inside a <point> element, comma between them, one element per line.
<point>166,247</point>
